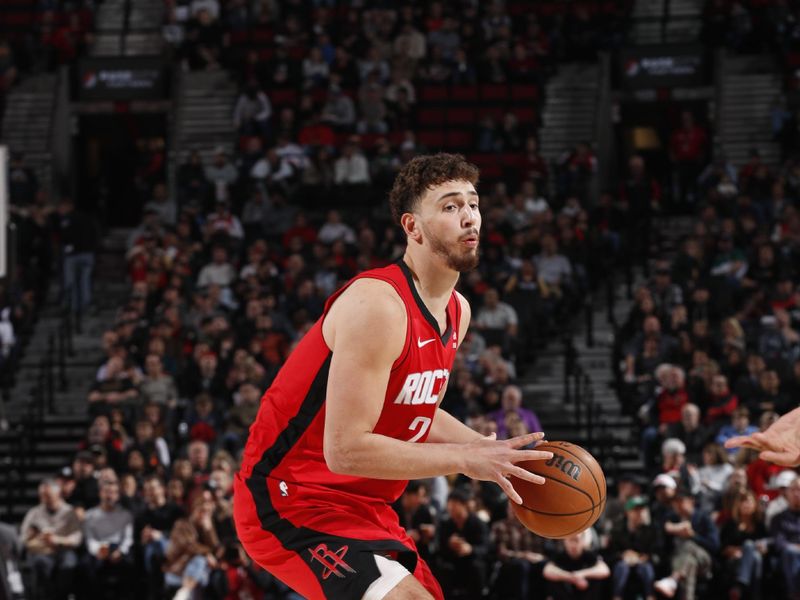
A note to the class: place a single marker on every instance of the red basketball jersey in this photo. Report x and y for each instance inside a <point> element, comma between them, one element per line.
<point>285,441</point>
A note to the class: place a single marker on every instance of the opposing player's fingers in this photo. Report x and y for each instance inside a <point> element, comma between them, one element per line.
<point>763,442</point>
<point>524,440</point>
<point>506,486</point>
<point>786,459</point>
<point>738,441</point>
<point>525,474</point>
<point>522,455</point>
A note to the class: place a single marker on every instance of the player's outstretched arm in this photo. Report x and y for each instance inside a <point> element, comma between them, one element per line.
<point>779,444</point>
<point>365,330</point>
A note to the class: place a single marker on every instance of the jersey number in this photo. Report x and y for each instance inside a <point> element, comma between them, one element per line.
<point>421,423</point>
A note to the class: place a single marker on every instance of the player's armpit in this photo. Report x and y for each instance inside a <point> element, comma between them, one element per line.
<point>365,330</point>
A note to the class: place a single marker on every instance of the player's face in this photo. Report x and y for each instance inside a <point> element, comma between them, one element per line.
<point>450,221</point>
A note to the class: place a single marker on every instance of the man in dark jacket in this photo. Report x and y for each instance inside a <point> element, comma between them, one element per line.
<point>463,545</point>
<point>78,240</point>
<point>634,546</point>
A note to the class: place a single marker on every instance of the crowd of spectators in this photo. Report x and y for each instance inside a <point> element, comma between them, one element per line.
<point>227,275</point>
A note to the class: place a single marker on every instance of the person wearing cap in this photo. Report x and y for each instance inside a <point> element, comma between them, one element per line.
<point>785,528</point>
<point>777,505</point>
<point>628,486</point>
<point>692,539</point>
<point>633,546</point>
<point>663,487</point>
<point>666,295</point>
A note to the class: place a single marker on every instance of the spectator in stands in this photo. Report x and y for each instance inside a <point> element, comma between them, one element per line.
<point>157,385</point>
<point>339,110</point>
<point>114,389</point>
<point>687,150</point>
<point>713,475</point>
<point>78,240</point>
<point>692,541</point>
<point>418,517</point>
<point>497,321</point>
<point>634,543</point>
<point>554,268</point>
<point>463,548</point>
<point>23,184</point>
<point>691,432</point>
<point>743,543</point>
<point>82,493</point>
<point>511,402</point>
<point>522,557</point>
<point>739,425</point>
<point>722,403</point>
<point>221,174</point>
<point>252,112</point>
<point>241,416</point>
<point>203,41</point>
<point>785,528</point>
<point>779,503</point>
<point>51,534</point>
<point>351,168</point>
<point>576,571</point>
<point>108,531</point>
<point>190,552</point>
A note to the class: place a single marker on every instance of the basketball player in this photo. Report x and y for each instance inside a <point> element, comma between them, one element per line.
<point>354,412</point>
<point>780,443</point>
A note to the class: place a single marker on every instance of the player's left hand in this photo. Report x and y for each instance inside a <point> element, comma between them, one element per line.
<point>780,443</point>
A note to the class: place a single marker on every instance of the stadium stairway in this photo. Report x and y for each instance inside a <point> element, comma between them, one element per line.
<point>666,21</point>
<point>128,28</point>
<point>614,435</point>
<point>31,449</point>
<point>748,90</point>
<point>569,111</point>
<point>27,124</point>
<point>204,117</point>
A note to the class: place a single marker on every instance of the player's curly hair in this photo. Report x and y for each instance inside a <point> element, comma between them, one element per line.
<point>424,172</point>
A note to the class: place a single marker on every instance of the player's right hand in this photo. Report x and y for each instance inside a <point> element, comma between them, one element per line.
<point>490,459</point>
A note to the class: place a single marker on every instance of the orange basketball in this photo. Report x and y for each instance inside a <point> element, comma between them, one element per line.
<point>571,499</point>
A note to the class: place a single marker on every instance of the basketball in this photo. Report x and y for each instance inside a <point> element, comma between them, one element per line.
<point>571,499</point>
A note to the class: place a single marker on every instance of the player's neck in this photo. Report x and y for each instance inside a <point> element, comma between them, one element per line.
<point>435,282</point>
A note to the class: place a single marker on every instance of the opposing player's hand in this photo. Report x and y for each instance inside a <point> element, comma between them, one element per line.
<point>780,443</point>
<point>489,459</point>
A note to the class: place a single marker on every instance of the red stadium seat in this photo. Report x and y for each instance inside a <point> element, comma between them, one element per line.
<point>494,111</point>
<point>433,93</point>
<point>525,114</point>
<point>283,96</point>
<point>458,139</point>
<point>431,117</point>
<point>460,116</point>
<point>494,91</point>
<point>464,93</point>
<point>432,139</point>
<point>266,54</point>
<point>524,92</point>
<point>240,38</point>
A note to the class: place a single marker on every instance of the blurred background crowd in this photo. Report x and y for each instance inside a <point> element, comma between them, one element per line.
<point>228,268</point>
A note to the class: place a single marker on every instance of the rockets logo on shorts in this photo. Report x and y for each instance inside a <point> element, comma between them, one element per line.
<point>422,388</point>
<point>332,560</point>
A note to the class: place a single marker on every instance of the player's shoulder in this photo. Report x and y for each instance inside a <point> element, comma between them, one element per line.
<point>369,300</point>
<point>466,310</point>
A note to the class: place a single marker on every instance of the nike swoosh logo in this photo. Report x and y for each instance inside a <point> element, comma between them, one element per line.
<point>421,342</point>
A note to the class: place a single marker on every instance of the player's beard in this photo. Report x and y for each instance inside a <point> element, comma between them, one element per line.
<point>459,258</point>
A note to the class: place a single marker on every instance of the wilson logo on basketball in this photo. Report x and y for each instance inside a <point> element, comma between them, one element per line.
<point>422,388</point>
<point>566,466</point>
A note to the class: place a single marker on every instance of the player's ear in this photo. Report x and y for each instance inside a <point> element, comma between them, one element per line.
<point>411,227</point>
